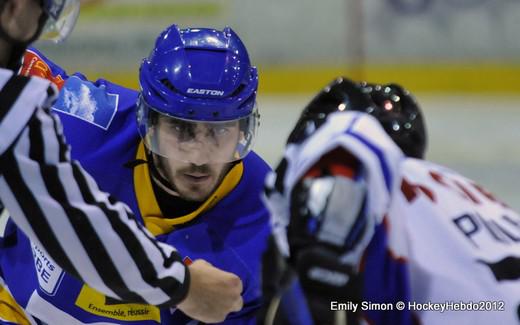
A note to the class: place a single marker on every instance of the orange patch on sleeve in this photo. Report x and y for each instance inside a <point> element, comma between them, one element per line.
<point>33,65</point>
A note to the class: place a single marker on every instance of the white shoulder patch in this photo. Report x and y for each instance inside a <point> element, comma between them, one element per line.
<point>84,100</point>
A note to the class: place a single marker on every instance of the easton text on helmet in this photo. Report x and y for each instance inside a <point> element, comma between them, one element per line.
<point>211,92</point>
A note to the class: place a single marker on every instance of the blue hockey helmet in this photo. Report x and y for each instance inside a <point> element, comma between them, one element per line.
<point>61,18</point>
<point>198,80</point>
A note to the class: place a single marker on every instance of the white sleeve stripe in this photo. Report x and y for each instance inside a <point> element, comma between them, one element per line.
<point>85,192</point>
<point>141,250</point>
<point>60,225</point>
<point>15,119</point>
<point>16,210</point>
<point>57,218</point>
<point>119,253</point>
<point>25,210</point>
<point>60,208</point>
<point>75,219</point>
<point>164,250</point>
<point>50,146</point>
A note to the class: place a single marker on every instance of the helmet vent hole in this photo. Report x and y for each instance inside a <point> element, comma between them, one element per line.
<point>169,85</point>
<point>238,90</point>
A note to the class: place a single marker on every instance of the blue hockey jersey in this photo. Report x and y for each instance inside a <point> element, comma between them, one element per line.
<point>229,230</point>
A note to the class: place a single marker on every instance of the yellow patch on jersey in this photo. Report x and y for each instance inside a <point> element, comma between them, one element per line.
<point>149,208</point>
<point>96,303</point>
<point>10,311</point>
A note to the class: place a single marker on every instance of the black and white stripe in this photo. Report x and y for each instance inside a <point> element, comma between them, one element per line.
<point>58,205</point>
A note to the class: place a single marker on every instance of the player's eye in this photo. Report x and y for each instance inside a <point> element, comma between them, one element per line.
<point>221,130</point>
<point>180,129</point>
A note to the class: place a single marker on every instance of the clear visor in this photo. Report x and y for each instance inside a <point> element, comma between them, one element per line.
<point>62,18</point>
<point>196,142</point>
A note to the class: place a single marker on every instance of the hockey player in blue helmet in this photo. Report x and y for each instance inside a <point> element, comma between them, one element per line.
<point>178,152</point>
<point>73,228</point>
<point>197,110</point>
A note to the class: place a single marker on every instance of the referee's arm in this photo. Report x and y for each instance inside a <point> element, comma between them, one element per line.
<point>56,203</point>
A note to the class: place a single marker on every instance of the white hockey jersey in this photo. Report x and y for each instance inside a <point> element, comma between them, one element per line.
<point>443,249</point>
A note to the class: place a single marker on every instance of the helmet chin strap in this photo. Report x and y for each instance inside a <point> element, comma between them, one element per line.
<point>18,47</point>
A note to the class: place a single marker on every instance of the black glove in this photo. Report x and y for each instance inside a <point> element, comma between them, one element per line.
<point>324,280</point>
<point>328,232</point>
<point>322,230</point>
<point>327,209</point>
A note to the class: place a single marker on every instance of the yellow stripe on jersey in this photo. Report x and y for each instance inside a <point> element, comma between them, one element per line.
<point>10,311</point>
<point>156,223</point>
<point>96,303</point>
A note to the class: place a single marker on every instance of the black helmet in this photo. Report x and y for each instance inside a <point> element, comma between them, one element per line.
<point>340,95</point>
<point>394,107</point>
<point>401,117</point>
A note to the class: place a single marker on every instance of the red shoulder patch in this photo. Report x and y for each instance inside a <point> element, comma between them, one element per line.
<point>33,65</point>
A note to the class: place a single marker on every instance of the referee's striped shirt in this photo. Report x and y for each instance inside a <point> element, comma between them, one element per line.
<point>58,205</point>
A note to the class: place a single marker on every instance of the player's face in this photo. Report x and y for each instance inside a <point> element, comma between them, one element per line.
<point>192,182</point>
<point>200,154</point>
<point>198,143</point>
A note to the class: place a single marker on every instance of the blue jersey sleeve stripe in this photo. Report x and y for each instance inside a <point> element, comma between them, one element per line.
<point>353,122</point>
